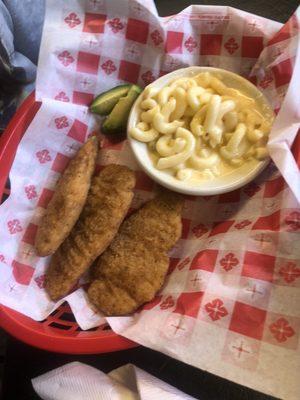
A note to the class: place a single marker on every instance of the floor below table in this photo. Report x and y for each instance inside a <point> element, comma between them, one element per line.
<point>22,363</point>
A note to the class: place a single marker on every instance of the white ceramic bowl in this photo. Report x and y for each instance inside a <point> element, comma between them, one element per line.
<point>239,177</point>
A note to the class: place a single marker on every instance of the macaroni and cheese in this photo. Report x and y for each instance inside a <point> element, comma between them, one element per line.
<point>198,128</point>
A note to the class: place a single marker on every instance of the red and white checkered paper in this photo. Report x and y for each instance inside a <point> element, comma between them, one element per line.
<point>231,301</point>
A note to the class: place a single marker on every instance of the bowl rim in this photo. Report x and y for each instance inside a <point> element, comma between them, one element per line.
<point>180,186</point>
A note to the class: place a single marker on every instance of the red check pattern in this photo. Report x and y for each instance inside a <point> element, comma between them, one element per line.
<point>137,30</point>
<point>189,304</point>
<point>78,131</point>
<point>206,47</point>
<point>248,320</point>
<point>29,235</point>
<point>22,272</point>
<point>222,262</point>
<point>94,23</point>
<point>87,62</point>
<point>60,163</point>
<point>174,42</point>
<point>45,197</point>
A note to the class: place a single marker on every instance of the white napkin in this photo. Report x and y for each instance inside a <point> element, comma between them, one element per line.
<point>79,381</point>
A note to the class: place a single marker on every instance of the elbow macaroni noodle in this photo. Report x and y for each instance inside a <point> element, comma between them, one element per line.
<point>194,126</point>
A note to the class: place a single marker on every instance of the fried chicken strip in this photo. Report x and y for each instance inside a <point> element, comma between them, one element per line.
<point>107,203</point>
<point>133,268</point>
<point>68,200</point>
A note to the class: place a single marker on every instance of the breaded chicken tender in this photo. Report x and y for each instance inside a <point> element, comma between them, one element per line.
<point>107,203</point>
<point>132,270</point>
<point>68,200</point>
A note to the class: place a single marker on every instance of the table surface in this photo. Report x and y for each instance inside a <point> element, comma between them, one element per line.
<point>278,10</point>
<point>22,362</point>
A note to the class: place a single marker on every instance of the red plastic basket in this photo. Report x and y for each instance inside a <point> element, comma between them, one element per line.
<point>59,332</point>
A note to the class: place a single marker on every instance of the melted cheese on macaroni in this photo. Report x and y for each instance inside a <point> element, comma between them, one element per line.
<point>198,128</point>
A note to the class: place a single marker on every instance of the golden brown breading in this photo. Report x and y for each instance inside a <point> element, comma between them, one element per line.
<point>68,200</point>
<point>133,268</point>
<point>107,203</point>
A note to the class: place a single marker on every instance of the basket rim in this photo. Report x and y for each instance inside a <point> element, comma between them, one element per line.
<point>22,328</point>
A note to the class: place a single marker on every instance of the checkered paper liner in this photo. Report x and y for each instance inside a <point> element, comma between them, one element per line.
<point>231,301</point>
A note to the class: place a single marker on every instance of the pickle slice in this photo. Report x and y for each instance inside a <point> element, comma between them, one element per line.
<point>117,120</point>
<point>105,102</point>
